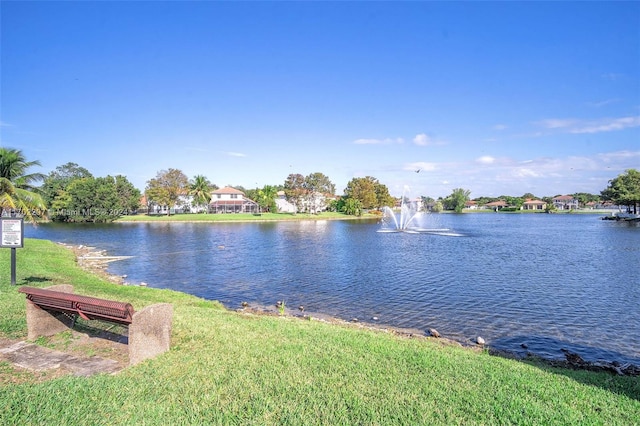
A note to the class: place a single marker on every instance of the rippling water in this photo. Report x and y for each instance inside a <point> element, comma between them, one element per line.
<point>546,281</point>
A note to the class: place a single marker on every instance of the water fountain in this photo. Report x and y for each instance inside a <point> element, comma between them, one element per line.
<point>409,219</point>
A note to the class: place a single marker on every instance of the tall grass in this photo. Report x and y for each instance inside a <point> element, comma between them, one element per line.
<point>239,368</point>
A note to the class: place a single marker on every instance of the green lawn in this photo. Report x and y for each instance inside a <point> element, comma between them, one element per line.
<point>228,367</point>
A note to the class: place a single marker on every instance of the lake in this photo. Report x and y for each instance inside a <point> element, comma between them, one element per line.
<point>541,281</point>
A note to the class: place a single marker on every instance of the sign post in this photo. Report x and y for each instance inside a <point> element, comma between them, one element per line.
<point>12,236</point>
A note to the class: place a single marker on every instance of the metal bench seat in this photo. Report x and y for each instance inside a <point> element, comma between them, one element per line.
<point>88,308</point>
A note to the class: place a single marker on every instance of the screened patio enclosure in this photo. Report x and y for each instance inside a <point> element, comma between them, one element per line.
<point>234,206</point>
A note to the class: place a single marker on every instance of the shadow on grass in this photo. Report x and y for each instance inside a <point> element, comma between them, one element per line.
<point>103,330</point>
<point>36,280</point>
<point>609,370</point>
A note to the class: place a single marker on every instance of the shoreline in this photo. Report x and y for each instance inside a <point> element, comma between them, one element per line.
<point>96,261</point>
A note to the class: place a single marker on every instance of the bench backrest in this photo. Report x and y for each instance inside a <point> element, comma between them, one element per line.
<point>87,307</point>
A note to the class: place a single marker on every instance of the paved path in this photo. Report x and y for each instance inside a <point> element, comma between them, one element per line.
<point>37,358</point>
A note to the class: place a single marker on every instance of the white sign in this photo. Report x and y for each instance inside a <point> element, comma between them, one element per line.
<point>12,232</point>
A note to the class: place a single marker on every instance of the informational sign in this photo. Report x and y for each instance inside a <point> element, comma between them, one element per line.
<point>12,232</point>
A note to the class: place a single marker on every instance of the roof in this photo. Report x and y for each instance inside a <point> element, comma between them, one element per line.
<point>232,202</point>
<point>563,197</point>
<point>534,202</point>
<point>497,203</point>
<point>227,190</point>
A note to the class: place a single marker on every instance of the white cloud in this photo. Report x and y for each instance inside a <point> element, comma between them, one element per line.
<point>235,154</point>
<point>525,173</point>
<point>602,103</point>
<point>612,76</point>
<point>593,126</point>
<point>421,166</point>
<point>608,125</point>
<point>557,123</point>
<point>387,141</point>
<point>422,139</point>
<point>485,159</point>
<point>500,127</point>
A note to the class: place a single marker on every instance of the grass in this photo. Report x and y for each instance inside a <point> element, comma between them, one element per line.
<point>240,217</point>
<point>232,368</point>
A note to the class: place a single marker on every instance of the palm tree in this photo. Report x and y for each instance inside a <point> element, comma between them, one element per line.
<point>17,190</point>
<point>200,190</point>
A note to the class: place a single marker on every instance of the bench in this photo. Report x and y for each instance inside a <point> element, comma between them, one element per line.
<point>85,307</point>
<point>54,309</point>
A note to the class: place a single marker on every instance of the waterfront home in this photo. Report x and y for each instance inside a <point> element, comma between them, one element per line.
<point>231,200</point>
<point>496,205</point>
<point>471,205</point>
<point>283,205</point>
<point>537,205</point>
<point>565,202</point>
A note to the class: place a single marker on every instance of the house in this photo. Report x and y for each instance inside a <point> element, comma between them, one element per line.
<point>565,202</point>
<point>537,205</point>
<point>471,205</point>
<point>283,205</point>
<point>231,200</point>
<point>496,205</point>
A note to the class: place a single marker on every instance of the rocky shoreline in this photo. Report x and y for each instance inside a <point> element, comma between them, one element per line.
<point>97,261</point>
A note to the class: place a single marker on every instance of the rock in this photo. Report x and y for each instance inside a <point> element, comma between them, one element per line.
<point>573,358</point>
<point>301,308</point>
<point>244,304</point>
<point>480,340</point>
<point>524,346</point>
<point>375,318</point>
<point>354,319</point>
<point>434,332</point>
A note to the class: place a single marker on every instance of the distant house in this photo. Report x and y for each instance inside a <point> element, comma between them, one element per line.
<point>471,205</point>
<point>231,200</point>
<point>283,205</point>
<point>534,205</point>
<point>496,205</point>
<point>565,202</point>
<point>184,204</point>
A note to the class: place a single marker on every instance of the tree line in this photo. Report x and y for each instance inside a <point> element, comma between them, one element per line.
<point>70,193</point>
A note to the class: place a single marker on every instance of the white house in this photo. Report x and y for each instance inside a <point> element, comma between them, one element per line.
<point>283,205</point>
<point>565,202</point>
<point>231,200</point>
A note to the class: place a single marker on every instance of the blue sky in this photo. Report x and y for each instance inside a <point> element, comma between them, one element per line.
<point>494,97</point>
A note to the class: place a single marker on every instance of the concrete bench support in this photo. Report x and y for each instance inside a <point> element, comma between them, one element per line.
<point>45,323</point>
<point>150,332</point>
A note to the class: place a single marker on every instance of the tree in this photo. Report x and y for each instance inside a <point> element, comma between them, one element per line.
<point>102,199</point>
<point>457,200</point>
<point>317,187</point>
<point>57,181</point>
<point>584,198</point>
<point>17,187</point>
<point>352,207</point>
<point>369,191</point>
<point>266,198</point>
<point>200,191</point>
<point>128,195</point>
<point>294,190</point>
<point>624,190</point>
<point>383,198</point>
<point>167,188</point>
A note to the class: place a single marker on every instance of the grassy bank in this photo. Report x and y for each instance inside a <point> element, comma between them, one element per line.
<point>236,368</point>
<point>240,217</point>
